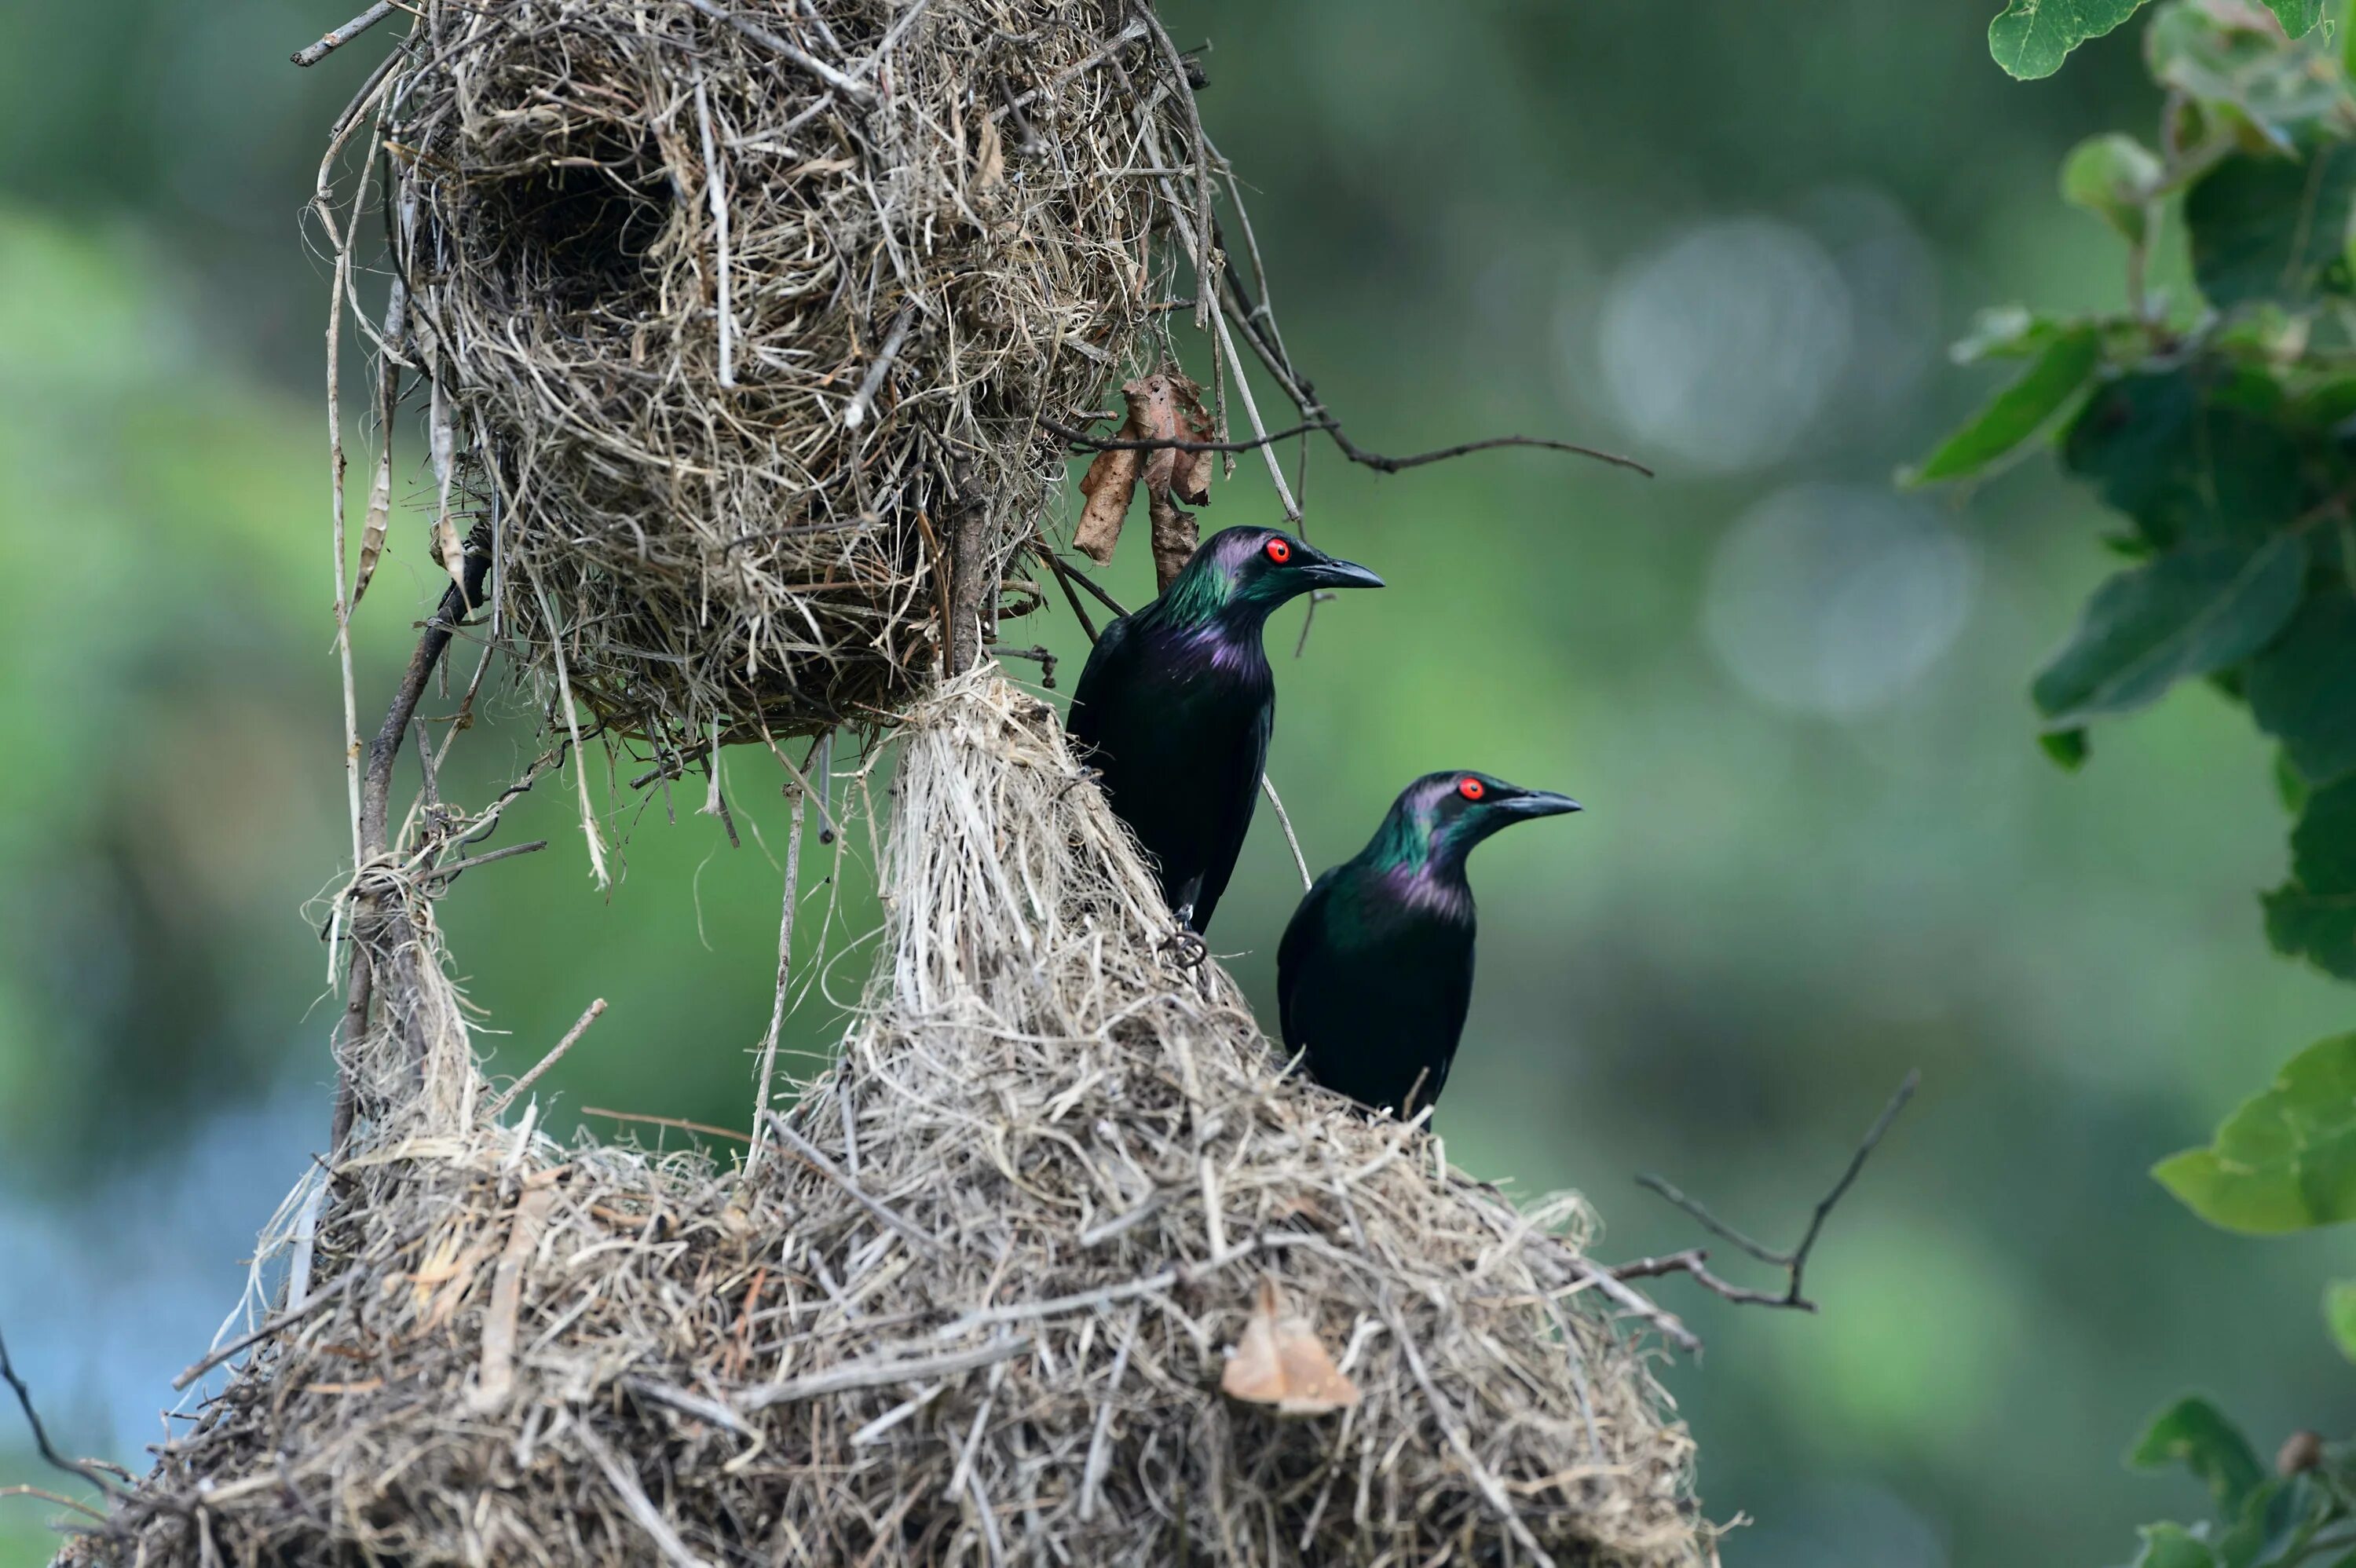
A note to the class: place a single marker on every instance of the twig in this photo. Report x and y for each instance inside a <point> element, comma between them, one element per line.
<point>278,1325</point>
<point>717,193</point>
<point>856,90</point>
<point>785,966</point>
<point>685,1127</point>
<point>1300,861</point>
<point>855,413</point>
<point>443,873</point>
<point>1449,1426</point>
<point>571,1037</point>
<point>1796,1262</point>
<point>874,1374</point>
<point>372,821</point>
<point>634,1499</point>
<point>1669,1326</point>
<point>573,726</point>
<point>1183,87</point>
<point>1328,426</point>
<point>82,1470</point>
<point>58,1498</point>
<point>313,53</point>
<point>857,1194</point>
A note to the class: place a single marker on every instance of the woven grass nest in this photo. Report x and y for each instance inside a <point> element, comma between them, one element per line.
<point>739,355</point>
<point>972,1303</point>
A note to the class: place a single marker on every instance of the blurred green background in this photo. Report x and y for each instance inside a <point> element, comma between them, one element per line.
<point>1821,845</point>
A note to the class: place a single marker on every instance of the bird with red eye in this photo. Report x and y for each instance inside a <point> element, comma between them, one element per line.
<point>1374,974</point>
<point>1177,701</point>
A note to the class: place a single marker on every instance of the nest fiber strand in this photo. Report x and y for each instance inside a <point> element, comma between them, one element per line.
<point>741,364</point>
<point>972,1303</point>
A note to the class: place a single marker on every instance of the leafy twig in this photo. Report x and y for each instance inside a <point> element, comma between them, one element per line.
<point>1795,1263</point>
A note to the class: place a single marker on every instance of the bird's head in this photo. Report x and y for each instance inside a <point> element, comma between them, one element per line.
<point>1437,818</point>
<point>1246,573</point>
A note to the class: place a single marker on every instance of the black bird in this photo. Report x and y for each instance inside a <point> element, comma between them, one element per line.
<point>1376,970</point>
<point>1176,705</point>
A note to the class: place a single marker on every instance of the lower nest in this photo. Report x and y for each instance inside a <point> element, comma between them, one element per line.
<point>971,1300</point>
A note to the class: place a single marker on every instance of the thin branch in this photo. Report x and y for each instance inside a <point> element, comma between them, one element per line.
<point>785,963</point>
<point>443,873</point>
<point>82,1470</point>
<point>1300,860</point>
<point>1795,1263</point>
<point>571,1037</point>
<point>683,1125</point>
<point>337,40</point>
<point>855,413</point>
<point>716,190</point>
<point>1376,461</point>
<point>58,1498</point>
<point>859,1195</point>
<point>856,90</point>
<point>278,1325</point>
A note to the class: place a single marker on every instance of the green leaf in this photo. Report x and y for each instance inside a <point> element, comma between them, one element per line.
<point>2339,1313</point>
<point>2285,1161</point>
<point>2068,748</point>
<point>2302,689</point>
<point>2112,176</point>
<point>2058,375</point>
<point>2195,1433</point>
<point>2313,916</point>
<point>2199,452</point>
<point>2236,62</point>
<point>2007,332</point>
<point>2032,36</point>
<point>2190,613</point>
<point>2171,1546</point>
<point>2268,229</point>
<point>2297,16</point>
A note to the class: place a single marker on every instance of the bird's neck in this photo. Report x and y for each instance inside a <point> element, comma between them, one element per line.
<point>1418,868</point>
<point>1227,631</point>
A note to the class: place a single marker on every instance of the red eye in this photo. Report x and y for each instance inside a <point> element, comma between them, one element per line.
<point>1470,788</point>
<point>1280,550</point>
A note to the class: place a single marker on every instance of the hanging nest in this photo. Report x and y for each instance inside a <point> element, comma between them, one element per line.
<point>973,1301</point>
<point>740,320</point>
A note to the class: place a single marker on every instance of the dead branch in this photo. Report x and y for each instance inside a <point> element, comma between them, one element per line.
<point>1327,425</point>
<point>82,1470</point>
<point>313,53</point>
<point>1795,1263</point>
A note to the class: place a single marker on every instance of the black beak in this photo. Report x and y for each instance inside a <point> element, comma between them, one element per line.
<point>1539,803</point>
<point>1327,572</point>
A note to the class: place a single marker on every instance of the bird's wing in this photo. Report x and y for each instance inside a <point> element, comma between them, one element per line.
<point>1239,793</point>
<point>1108,661</point>
<point>1297,952</point>
<point>1454,985</point>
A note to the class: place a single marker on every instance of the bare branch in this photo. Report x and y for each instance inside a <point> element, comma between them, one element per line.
<point>1795,1263</point>
<point>1329,426</point>
<point>571,1037</point>
<point>82,1470</point>
<point>314,53</point>
<point>855,91</point>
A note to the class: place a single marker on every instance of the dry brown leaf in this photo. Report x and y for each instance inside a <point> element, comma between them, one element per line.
<point>1163,406</point>
<point>379,509</point>
<point>989,158</point>
<point>1109,483</point>
<point>1281,1362</point>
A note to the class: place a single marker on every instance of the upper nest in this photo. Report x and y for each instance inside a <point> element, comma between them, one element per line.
<point>972,1303</point>
<point>740,319</point>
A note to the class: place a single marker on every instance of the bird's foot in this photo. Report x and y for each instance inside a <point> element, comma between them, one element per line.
<point>1185,942</point>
